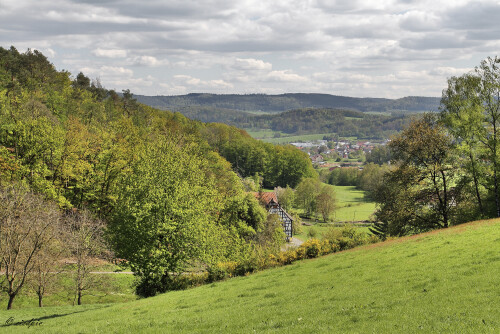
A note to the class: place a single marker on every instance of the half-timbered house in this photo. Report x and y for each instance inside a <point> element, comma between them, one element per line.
<point>270,201</point>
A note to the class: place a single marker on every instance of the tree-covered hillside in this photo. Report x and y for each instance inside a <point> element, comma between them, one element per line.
<point>169,189</point>
<point>300,113</point>
<point>285,102</point>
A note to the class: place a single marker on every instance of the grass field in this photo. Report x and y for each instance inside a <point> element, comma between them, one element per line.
<point>441,282</point>
<point>268,136</point>
<point>352,206</point>
<point>321,228</point>
<point>108,288</point>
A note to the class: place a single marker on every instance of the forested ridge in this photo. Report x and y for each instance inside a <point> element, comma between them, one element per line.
<point>285,102</point>
<point>168,189</point>
<point>299,114</point>
<point>344,122</point>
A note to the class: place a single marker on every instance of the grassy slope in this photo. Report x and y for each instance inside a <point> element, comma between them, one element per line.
<point>446,281</point>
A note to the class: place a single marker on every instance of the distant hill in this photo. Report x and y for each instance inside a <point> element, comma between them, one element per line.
<point>298,114</point>
<point>285,102</point>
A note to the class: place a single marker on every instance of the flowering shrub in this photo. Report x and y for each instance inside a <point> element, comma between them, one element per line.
<point>333,241</point>
<point>312,248</point>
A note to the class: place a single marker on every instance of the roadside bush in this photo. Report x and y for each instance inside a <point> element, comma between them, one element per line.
<point>246,267</point>
<point>312,248</point>
<point>287,257</point>
<point>334,240</point>
<point>326,248</point>
<point>347,237</point>
<point>221,271</point>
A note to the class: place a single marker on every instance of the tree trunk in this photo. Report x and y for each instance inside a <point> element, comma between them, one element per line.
<point>79,297</point>
<point>445,201</point>
<point>40,302</point>
<point>476,184</point>
<point>495,165</point>
<point>11,300</point>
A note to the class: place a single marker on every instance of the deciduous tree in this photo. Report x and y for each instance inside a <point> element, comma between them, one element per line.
<point>28,224</point>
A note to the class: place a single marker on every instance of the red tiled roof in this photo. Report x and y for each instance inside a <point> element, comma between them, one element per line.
<point>266,197</point>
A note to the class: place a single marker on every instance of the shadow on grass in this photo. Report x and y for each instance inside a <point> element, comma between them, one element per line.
<point>34,321</point>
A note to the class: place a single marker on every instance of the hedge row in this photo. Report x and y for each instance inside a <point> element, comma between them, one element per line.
<point>334,240</point>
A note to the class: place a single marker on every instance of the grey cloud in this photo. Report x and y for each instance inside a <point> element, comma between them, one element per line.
<point>365,31</point>
<point>187,9</point>
<point>418,21</point>
<point>437,41</point>
<point>474,16</point>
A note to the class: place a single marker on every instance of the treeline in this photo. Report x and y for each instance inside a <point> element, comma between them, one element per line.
<point>160,183</point>
<point>285,102</point>
<point>446,166</point>
<point>277,165</point>
<point>345,123</point>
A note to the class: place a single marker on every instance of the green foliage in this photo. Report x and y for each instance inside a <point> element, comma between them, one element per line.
<point>346,238</point>
<point>278,165</point>
<point>347,176</point>
<point>418,194</point>
<point>155,176</point>
<point>379,155</point>
<point>245,214</point>
<point>286,197</point>
<point>306,192</point>
<point>296,225</point>
<point>166,206</point>
<point>326,202</point>
<point>312,233</point>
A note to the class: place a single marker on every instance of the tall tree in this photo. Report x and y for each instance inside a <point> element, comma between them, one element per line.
<point>306,193</point>
<point>419,192</point>
<point>27,225</point>
<point>463,115</point>
<point>326,202</point>
<point>164,206</point>
<point>85,242</point>
<point>489,93</point>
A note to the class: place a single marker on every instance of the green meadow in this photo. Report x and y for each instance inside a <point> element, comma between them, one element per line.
<point>107,288</point>
<point>446,281</point>
<point>268,137</point>
<point>352,205</point>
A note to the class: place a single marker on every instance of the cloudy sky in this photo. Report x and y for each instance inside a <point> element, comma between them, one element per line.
<point>362,48</point>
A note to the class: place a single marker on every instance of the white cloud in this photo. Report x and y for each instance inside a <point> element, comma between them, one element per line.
<point>250,64</point>
<point>285,76</point>
<point>148,61</point>
<point>110,53</point>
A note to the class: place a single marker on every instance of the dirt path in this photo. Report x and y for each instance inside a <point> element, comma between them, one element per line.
<point>112,272</point>
<point>292,244</point>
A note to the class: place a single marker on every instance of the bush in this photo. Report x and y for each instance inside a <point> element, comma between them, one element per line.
<point>312,248</point>
<point>312,233</point>
<point>288,256</point>
<point>347,237</point>
<point>296,225</point>
<point>221,270</point>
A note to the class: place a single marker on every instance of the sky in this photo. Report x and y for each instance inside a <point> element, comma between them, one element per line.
<point>359,48</point>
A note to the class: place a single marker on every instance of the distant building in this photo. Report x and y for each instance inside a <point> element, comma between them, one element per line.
<point>270,202</point>
<point>317,158</point>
